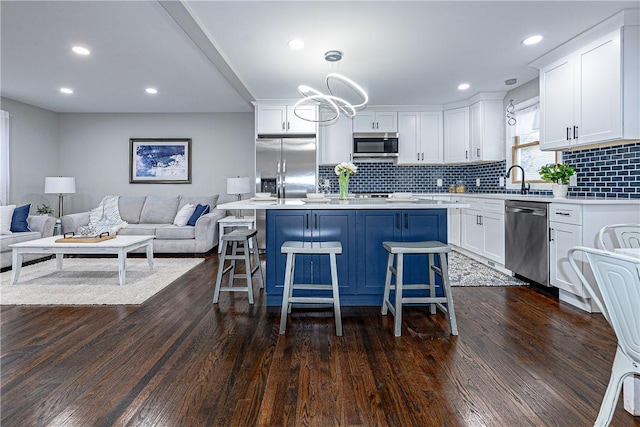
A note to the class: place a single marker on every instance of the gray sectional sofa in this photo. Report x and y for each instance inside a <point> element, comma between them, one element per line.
<point>40,226</point>
<point>154,215</point>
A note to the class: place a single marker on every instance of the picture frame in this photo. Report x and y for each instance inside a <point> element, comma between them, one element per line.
<point>160,161</point>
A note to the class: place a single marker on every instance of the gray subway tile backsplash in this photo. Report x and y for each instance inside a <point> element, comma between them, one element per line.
<point>601,172</point>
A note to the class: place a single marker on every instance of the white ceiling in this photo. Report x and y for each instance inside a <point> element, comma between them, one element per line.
<point>218,56</point>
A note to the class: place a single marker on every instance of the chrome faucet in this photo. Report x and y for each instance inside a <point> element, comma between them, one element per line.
<point>523,189</point>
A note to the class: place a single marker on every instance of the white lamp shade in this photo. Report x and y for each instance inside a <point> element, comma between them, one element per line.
<point>59,185</point>
<point>239,185</point>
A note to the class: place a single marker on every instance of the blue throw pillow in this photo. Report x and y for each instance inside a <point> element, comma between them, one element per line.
<point>19,219</point>
<point>200,210</point>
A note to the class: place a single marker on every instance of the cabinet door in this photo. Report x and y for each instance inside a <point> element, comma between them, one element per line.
<point>471,231</point>
<point>476,131</point>
<point>336,140</point>
<point>453,226</point>
<point>364,121</point>
<point>556,105</point>
<point>386,121</point>
<point>291,225</point>
<point>456,135</point>
<point>409,138</point>
<point>373,228</point>
<point>431,137</point>
<point>296,124</point>
<point>598,108</point>
<point>271,119</point>
<point>340,226</point>
<point>563,238</point>
<point>493,236</point>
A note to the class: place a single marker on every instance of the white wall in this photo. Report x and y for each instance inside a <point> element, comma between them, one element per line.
<point>34,152</point>
<point>95,149</point>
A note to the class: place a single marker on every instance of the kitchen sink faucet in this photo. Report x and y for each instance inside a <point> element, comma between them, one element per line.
<point>523,189</point>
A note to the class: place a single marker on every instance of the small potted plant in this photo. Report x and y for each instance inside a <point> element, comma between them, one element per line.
<point>559,175</point>
<point>44,210</point>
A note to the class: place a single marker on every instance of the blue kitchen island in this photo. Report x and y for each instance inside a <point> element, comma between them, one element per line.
<point>361,225</point>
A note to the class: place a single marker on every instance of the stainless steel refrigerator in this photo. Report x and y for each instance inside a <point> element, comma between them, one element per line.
<point>285,167</point>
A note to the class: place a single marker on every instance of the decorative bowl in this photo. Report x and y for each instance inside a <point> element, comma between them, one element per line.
<point>262,195</point>
<point>315,195</point>
<point>401,195</point>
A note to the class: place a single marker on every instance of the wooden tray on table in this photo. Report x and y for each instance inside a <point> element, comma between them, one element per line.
<point>70,238</point>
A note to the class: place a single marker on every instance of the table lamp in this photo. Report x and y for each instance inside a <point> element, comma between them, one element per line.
<point>239,186</point>
<point>60,185</point>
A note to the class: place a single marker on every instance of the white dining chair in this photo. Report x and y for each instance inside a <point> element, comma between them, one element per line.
<point>618,279</point>
<point>626,236</point>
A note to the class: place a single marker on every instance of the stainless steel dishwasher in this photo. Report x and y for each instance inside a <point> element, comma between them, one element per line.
<point>526,240</point>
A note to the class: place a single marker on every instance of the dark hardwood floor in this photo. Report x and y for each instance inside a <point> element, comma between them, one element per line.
<point>521,359</point>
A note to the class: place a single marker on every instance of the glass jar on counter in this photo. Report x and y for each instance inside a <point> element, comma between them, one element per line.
<point>460,187</point>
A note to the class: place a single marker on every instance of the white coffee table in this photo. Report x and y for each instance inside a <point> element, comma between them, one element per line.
<point>121,245</point>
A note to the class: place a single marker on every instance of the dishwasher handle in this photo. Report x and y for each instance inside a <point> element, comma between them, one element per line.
<point>527,211</point>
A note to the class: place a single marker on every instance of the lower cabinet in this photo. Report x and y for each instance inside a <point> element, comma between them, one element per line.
<point>361,267</point>
<point>482,228</point>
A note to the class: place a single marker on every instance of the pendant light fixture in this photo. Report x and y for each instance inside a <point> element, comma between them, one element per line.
<point>331,102</point>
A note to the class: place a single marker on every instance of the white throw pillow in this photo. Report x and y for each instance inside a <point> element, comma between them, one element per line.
<point>6,213</point>
<point>184,214</point>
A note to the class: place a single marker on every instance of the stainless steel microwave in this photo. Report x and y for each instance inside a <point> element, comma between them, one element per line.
<point>375,145</point>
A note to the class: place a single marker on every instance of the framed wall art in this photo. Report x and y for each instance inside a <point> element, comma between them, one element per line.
<point>160,161</point>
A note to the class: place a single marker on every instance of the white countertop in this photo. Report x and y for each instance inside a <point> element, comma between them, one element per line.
<point>537,198</point>
<point>334,203</point>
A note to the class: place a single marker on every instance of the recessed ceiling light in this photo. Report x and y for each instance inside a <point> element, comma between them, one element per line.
<point>296,44</point>
<point>464,86</point>
<point>66,90</point>
<point>151,90</point>
<point>81,50</point>
<point>532,40</point>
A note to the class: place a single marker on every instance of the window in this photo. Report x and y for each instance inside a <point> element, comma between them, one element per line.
<point>525,150</point>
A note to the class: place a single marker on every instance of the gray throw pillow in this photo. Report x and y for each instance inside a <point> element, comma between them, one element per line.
<point>130,208</point>
<point>159,210</point>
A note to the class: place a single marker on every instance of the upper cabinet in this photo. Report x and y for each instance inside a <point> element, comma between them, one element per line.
<point>281,119</point>
<point>368,121</point>
<point>592,95</point>
<point>335,141</point>
<point>420,137</point>
<point>486,140</point>
<point>456,135</point>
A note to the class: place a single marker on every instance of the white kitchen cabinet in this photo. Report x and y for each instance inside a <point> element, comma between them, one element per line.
<point>456,135</point>
<point>486,139</point>
<point>482,228</point>
<point>281,119</point>
<point>578,225</point>
<point>591,96</point>
<point>453,223</point>
<point>368,121</point>
<point>420,137</point>
<point>335,140</point>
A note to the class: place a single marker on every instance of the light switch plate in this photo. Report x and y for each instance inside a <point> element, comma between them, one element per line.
<point>502,181</point>
<point>477,182</point>
<point>439,182</point>
<point>573,180</point>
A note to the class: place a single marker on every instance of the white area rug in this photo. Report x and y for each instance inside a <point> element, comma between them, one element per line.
<point>91,281</point>
<point>464,271</point>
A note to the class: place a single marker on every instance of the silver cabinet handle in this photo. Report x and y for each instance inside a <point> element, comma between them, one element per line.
<point>477,152</point>
<point>423,156</point>
<point>466,154</point>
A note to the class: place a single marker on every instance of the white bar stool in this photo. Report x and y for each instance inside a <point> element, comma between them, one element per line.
<point>429,248</point>
<point>293,248</point>
<point>242,237</point>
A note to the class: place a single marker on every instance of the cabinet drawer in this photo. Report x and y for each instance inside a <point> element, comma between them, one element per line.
<point>496,206</point>
<point>567,214</point>
<point>474,204</point>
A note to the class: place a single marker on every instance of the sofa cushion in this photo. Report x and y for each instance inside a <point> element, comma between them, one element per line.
<point>159,210</point>
<point>6,213</point>
<point>184,214</point>
<point>173,232</point>
<point>10,239</point>
<point>19,219</point>
<point>197,213</point>
<point>131,207</point>
<point>138,230</point>
<point>212,201</point>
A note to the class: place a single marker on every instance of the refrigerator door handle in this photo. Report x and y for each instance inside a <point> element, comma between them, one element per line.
<point>284,166</point>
